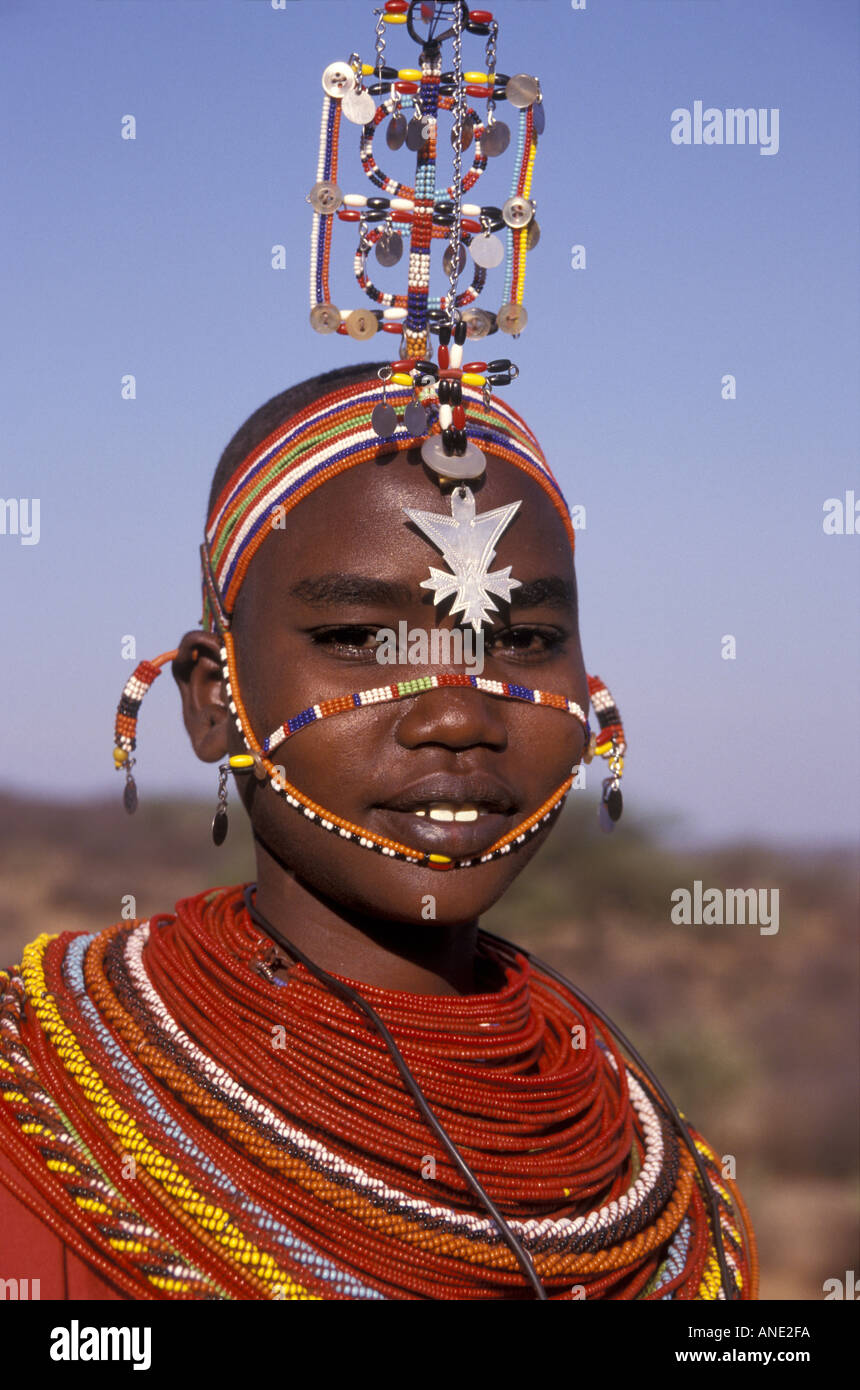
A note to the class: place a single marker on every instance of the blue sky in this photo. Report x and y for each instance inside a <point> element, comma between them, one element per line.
<point>704,516</point>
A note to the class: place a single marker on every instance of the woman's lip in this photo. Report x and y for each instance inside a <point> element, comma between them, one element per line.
<point>457,839</point>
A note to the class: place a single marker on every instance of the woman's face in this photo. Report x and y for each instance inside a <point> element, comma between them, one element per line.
<point>347,563</point>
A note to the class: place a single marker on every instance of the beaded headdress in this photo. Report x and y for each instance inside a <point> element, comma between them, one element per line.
<point>446,408</point>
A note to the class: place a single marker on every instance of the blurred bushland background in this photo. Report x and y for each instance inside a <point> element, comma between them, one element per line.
<point>753,1035</point>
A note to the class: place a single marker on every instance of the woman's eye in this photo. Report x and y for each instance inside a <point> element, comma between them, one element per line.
<point>347,641</point>
<point>525,643</point>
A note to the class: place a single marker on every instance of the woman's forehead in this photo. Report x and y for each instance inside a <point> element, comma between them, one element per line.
<point>356,523</point>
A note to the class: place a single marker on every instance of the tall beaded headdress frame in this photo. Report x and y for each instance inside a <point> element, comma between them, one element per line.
<point>339,430</point>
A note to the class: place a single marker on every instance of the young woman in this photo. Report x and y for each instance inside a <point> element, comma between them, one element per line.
<point>332,1084</point>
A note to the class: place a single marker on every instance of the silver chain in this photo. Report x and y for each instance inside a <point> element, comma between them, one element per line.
<point>490,60</point>
<point>380,43</point>
<point>457,187</point>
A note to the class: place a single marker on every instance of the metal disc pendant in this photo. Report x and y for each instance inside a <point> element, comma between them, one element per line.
<point>448,260</point>
<point>415,137</point>
<point>539,118</point>
<point>487,250</point>
<point>512,318</point>
<point>359,107</point>
<point>325,197</point>
<point>472,464</point>
<point>522,90</point>
<point>361,324</point>
<point>496,138</point>
<point>129,796</point>
<point>219,826</point>
<point>466,134</point>
<point>533,234</point>
<point>325,318</point>
<point>478,323</point>
<point>395,132</point>
<point>415,418</point>
<point>384,419</point>
<point>389,248</point>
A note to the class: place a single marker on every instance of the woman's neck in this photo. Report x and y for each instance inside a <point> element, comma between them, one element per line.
<point>415,957</point>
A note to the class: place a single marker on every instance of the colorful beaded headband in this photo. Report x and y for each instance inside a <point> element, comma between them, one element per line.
<point>330,435</point>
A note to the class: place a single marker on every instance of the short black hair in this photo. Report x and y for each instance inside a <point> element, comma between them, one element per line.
<point>268,417</point>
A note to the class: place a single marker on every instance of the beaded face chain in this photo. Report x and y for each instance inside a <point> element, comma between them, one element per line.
<point>410,100</point>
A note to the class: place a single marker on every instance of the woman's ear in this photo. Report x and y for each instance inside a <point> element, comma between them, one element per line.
<point>205,712</point>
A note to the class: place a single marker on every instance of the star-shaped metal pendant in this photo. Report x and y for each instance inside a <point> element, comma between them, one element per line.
<point>467,543</point>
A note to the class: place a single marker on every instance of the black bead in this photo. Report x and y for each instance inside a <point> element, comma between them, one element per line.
<point>449,437</point>
<point>501,364</point>
<point>443,205</point>
<point>501,379</point>
<point>445,391</point>
<point>378,202</point>
<point>460,443</point>
<point>460,333</point>
<point>480,29</point>
<point>375,215</point>
<point>455,395</point>
<point>444,334</point>
<point>427,368</point>
<point>614,804</point>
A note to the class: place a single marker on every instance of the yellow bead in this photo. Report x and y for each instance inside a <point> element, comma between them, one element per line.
<point>472,379</point>
<point>409,74</point>
<point>367,69</point>
<point>120,756</point>
<point>394,18</point>
<point>439,859</point>
<point>241,761</point>
<point>474,77</point>
<point>401,379</point>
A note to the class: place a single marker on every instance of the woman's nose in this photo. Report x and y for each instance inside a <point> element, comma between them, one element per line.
<point>453,717</point>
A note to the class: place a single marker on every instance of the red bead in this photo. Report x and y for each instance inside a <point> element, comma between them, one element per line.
<point>349,214</point>
<point>405,366</point>
<point>475,367</point>
<point>406,88</point>
<point>469,225</point>
<point>396,6</point>
<point>389,326</point>
<point>458,417</point>
<point>442,358</point>
<point>476,16</point>
<point>473,90</point>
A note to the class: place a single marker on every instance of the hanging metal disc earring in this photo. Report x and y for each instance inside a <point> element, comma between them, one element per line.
<point>220,822</point>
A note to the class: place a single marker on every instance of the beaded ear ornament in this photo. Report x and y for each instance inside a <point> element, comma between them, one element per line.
<point>407,103</point>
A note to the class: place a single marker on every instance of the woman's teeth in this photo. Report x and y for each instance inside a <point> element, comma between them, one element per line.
<point>448,811</point>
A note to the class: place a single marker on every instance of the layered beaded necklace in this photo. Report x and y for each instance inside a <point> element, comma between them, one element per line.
<point>200,1128</point>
